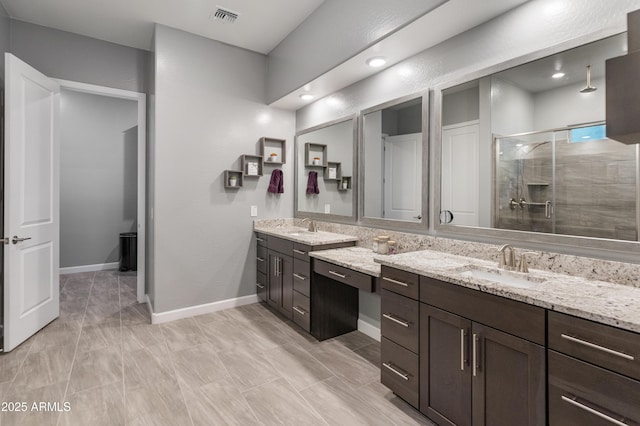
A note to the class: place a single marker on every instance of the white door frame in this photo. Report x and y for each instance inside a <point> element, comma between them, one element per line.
<point>141,99</point>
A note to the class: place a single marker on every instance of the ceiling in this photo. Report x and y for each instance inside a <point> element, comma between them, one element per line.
<point>260,26</point>
<point>535,76</point>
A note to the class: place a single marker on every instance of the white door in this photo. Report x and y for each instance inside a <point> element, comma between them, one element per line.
<point>460,173</point>
<point>31,207</point>
<point>403,177</point>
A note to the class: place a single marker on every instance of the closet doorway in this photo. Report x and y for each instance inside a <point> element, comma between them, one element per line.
<point>102,177</point>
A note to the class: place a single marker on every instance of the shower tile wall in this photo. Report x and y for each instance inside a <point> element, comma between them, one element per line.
<point>595,188</point>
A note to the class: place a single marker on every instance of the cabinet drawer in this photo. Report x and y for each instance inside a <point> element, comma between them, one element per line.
<point>261,286</point>
<point>301,251</point>
<point>261,239</point>
<point>302,311</point>
<point>280,245</point>
<point>399,371</point>
<point>302,276</point>
<point>261,259</point>
<point>517,318</point>
<point>401,282</point>
<point>605,346</point>
<point>400,319</point>
<point>344,275</point>
<point>583,394</point>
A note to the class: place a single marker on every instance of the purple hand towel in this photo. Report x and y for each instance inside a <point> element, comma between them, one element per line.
<point>312,183</point>
<point>276,184</point>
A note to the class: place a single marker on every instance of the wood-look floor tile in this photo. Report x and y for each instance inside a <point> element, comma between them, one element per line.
<point>219,403</point>
<point>198,366</point>
<point>227,335</point>
<point>148,366</point>
<point>72,308</point>
<point>98,312</point>
<point>95,368</point>
<point>277,402</point>
<point>140,336</point>
<point>135,314</point>
<point>339,405</point>
<point>248,368</point>
<point>160,403</point>
<point>10,362</point>
<point>370,353</point>
<point>211,317</point>
<point>56,334</point>
<point>354,340</point>
<point>38,415</point>
<point>103,405</point>
<point>297,366</point>
<point>182,334</point>
<point>128,298</point>
<point>43,368</point>
<point>397,410</point>
<point>345,364</point>
<point>99,336</point>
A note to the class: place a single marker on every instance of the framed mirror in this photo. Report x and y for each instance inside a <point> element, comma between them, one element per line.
<point>394,162</point>
<point>325,170</point>
<point>523,149</point>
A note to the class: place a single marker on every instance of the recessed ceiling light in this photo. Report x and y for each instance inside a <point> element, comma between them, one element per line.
<point>376,62</point>
<point>306,97</point>
<point>558,75</point>
<point>518,144</point>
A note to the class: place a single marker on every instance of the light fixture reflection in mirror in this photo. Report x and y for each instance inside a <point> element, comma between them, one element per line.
<point>392,160</point>
<point>550,170</point>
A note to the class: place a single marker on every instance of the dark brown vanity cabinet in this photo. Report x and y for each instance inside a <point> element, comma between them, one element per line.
<point>262,267</point>
<point>594,373</point>
<point>280,280</point>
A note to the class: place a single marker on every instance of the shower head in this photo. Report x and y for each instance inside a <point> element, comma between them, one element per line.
<point>588,88</point>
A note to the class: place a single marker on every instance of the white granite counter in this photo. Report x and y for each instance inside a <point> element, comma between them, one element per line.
<point>604,302</point>
<point>302,235</point>
<point>357,258</point>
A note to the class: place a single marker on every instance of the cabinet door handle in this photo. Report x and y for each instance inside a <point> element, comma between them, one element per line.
<point>300,277</point>
<point>391,280</point>
<point>610,419</point>
<point>300,311</point>
<point>463,353</point>
<point>260,259</point>
<point>475,354</point>
<point>399,373</point>
<point>338,274</point>
<point>260,286</point>
<point>396,320</point>
<point>299,251</point>
<point>260,239</point>
<point>598,347</point>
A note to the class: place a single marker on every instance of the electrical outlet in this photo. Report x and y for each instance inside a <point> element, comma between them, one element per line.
<point>254,211</point>
<point>327,208</point>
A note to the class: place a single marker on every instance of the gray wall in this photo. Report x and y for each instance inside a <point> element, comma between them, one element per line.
<point>209,109</point>
<point>460,107</point>
<point>60,54</point>
<point>335,32</point>
<point>98,176</point>
<point>5,36</point>
<point>535,25</point>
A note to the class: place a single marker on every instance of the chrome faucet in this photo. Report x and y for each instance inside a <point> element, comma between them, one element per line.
<point>312,225</point>
<point>508,263</point>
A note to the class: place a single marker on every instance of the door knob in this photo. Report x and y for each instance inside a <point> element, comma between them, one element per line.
<point>16,240</point>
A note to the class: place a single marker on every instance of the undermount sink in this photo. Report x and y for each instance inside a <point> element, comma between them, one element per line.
<point>500,276</point>
<point>300,232</point>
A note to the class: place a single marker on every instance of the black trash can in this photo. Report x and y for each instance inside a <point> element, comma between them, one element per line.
<point>129,251</point>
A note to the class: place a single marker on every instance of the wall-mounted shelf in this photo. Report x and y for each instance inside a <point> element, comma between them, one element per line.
<point>344,183</point>
<point>228,179</point>
<point>251,165</point>
<point>333,171</point>
<point>315,155</point>
<point>270,146</point>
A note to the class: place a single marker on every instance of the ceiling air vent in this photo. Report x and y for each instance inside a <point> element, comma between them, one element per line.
<point>224,15</point>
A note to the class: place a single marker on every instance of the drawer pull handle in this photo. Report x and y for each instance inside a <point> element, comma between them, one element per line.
<point>399,373</point>
<point>300,277</point>
<point>260,259</point>
<point>475,354</point>
<point>260,286</point>
<point>594,346</point>
<point>463,360</point>
<point>396,320</point>
<point>337,274</point>
<point>573,401</point>
<point>299,251</point>
<point>391,280</point>
<point>260,239</point>
<point>300,311</point>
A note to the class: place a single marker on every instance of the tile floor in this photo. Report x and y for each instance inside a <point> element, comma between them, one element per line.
<point>240,366</point>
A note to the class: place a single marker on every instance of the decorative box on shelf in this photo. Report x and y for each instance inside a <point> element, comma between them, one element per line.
<point>315,155</point>
<point>251,165</point>
<point>344,183</point>
<point>333,171</point>
<point>233,179</point>
<point>273,150</point>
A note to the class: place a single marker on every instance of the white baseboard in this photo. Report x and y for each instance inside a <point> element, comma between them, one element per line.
<point>192,311</point>
<point>89,268</point>
<point>368,329</point>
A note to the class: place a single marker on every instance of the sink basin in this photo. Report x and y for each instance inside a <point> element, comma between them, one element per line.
<point>300,232</point>
<point>500,276</point>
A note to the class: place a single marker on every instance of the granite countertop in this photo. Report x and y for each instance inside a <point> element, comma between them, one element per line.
<point>357,258</point>
<point>302,235</point>
<point>604,302</point>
